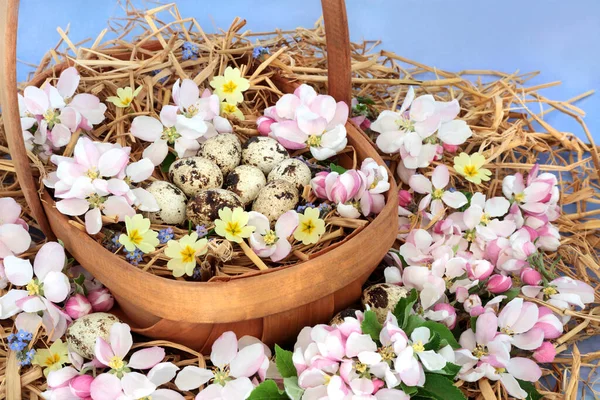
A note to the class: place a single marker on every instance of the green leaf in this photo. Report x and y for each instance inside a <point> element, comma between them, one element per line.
<point>166,164</point>
<point>409,390</point>
<point>434,342</point>
<point>370,325</point>
<point>336,168</point>
<point>365,100</point>
<point>414,321</point>
<point>532,393</point>
<point>439,387</point>
<point>267,390</point>
<point>404,308</point>
<point>474,323</point>
<point>450,370</point>
<point>443,331</point>
<point>292,389</point>
<point>511,294</point>
<point>285,365</point>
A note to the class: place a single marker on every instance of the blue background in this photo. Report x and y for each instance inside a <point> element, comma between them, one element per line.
<point>558,38</point>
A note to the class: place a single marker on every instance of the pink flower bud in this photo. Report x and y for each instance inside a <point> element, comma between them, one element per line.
<point>471,302</point>
<point>499,283</point>
<point>366,124</point>
<point>530,276</point>
<point>318,184</point>
<point>450,320</point>
<point>344,187</point>
<point>80,386</point>
<point>78,306</point>
<point>101,299</point>
<point>479,269</point>
<point>404,198</point>
<point>358,120</point>
<point>377,384</point>
<point>450,148</point>
<point>545,353</point>
<point>264,125</point>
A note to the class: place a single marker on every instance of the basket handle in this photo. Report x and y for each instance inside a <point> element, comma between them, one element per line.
<point>339,86</point>
<point>9,12</point>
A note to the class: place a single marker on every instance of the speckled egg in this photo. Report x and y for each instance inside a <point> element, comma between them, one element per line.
<point>172,202</point>
<point>383,297</point>
<point>81,335</point>
<point>292,170</point>
<point>203,209</point>
<point>194,174</point>
<point>276,198</point>
<point>245,181</point>
<point>339,317</point>
<point>225,150</point>
<point>264,153</point>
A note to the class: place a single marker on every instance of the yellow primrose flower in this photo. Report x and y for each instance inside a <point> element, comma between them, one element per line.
<point>183,253</point>
<point>232,225</point>
<point>231,109</point>
<point>230,86</point>
<point>470,167</point>
<point>139,234</point>
<point>53,358</point>
<point>310,226</point>
<point>124,96</point>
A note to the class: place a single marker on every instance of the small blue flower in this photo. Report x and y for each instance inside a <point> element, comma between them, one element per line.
<point>189,51</point>
<point>27,358</point>
<point>259,51</point>
<point>134,257</point>
<point>11,337</point>
<point>161,80</point>
<point>24,336</point>
<point>324,209</point>
<point>113,244</point>
<point>302,208</point>
<point>201,231</point>
<point>17,346</point>
<point>164,235</point>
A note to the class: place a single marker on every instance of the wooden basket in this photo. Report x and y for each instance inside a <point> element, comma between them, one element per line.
<point>272,305</point>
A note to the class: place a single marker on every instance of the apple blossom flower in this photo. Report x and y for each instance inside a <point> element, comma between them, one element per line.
<point>136,386</point>
<point>529,198</point>
<point>473,305</point>
<point>235,362</point>
<point>444,313</point>
<point>549,323</point>
<point>183,253</point>
<point>233,225</point>
<point>530,276</point>
<point>230,86</point>
<point>562,292</point>
<point>471,167</point>
<point>101,299</point>
<point>14,235</point>
<point>310,226</point>
<point>517,320</point>
<point>78,306</point>
<point>273,243</point>
<point>499,283</point>
<point>435,193</point>
<point>124,96</point>
<point>139,235</point>
<point>545,353</point>
<point>404,198</point>
<point>376,182</point>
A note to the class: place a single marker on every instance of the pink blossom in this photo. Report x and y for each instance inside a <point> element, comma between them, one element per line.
<point>479,269</point>
<point>530,276</point>
<point>78,306</point>
<point>545,353</point>
<point>473,305</point>
<point>80,386</point>
<point>444,313</point>
<point>376,182</point>
<point>101,299</point>
<point>14,237</point>
<point>499,283</point>
<point>404,198</point>
<point>563,292</point>
<point>517,320</point>
<point>549,323</point>
<point>272,243</point>
<point>434,191</point>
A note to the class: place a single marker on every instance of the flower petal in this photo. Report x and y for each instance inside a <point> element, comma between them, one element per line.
<point>225,347</point>
<point>192,377</point>
<point>120,339</point>
<point>136,385</point>
<point>106,387</point>
<point>146,358</point>
<point>18,271</point>
<point>51,257</point>
<point>248,361</point>
<point>56,286</point>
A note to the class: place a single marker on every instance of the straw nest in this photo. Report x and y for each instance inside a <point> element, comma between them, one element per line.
<point>497,106</point>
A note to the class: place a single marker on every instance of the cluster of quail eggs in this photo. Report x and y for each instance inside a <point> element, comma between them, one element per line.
<point>257,175</point>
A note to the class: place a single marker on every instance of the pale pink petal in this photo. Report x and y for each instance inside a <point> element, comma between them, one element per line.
<point>420,184</point>
<point>19,272</point>
<point>145,200</point>
<point>93,221</point>
<point>120,339</point>
<point>454,132</point>
<point>512,386</point>
<point>112,162</point>
<point>440,177</point>
<point>286,224</point>
<point>224,349</point>
<point>530,340</point>
<point>524,369</point>
<point>103,351</point>
<point>140,170</point>
<point>282,249</point>
<point>312,124</point>
<point>162,373</point>
<point>391,394</point>
<point>70,118</point>
<point>247,362</point>
<point>286,106</point>
<point>324,106</point>
<point>36,100</point>
<point>306,93</point>
<point>358,343</point>
<point>146,358</point>
<point>497,206</point>
<point>56,286</point>
<point>31,304</point>
<point>156,152</point>
<point>118,187</point>
<point>211,392</point>
<point>136,385</point>
<point>10,210</point>
<point>61,377</point>
<point>422,107</point>
<point>487,326</point>
<point>454,199</point>
<point>14,239</point>
<point>222,125</point>
<point>413,144</point>
<point>192,377</point>
<point>51,257</point>
<point>28,322</point>
<point>166,394</point>
<point>237,389</point>
<point>168,116</point>
<point>472,216</point>
<point>60,136</point>
<point>289,135</point>
<point>188,93</point>
<point>341,115</point>
<point>68,82</point>
<point>147,128</point>
<point>118,206</point>
<point>8,303</point>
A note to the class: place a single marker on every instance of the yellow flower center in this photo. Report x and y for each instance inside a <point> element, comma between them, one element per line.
<point>135,237</point>
<point>52,359</point>
<point>146,398</point>
<point>500,370</point>
<point>270,238</point>
<point>418,346</point>
<point>470,170</point>
<point>470,235</point>
<point>126,100</point>
<point>51,118</point>
<point>480,351</point>
<point>229,87</point>
<point>191,111</point>
<point>308,227</point>
<point>549,291</point>
<point>33,288</point>
<point>387,353</point>
<point>437,193</point>
<point>116,363</point>
<point>170,135</point>
<point>233,228</point>
<point>229,108</point>
<point>405,124</point>
<point>485,219</point>
<point>327,379</point>
<point>221,376</point>
<point>92,173</point>
<point>506,330</point>
<point>314,141</point>
<point>519,197</point>
<point>188,254</point>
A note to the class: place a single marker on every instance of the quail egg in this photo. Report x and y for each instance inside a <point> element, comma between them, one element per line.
<point>264,153</point>
<point>204,208</point>
<point>292,170</point>
<point>245,181</point>
<point>225,150</point>
<point>383,297</point>
<point>339,317</point>
<point>171,201</point>
<point>276,198</point>
<point>81,335</point>
<point>194,174</point>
